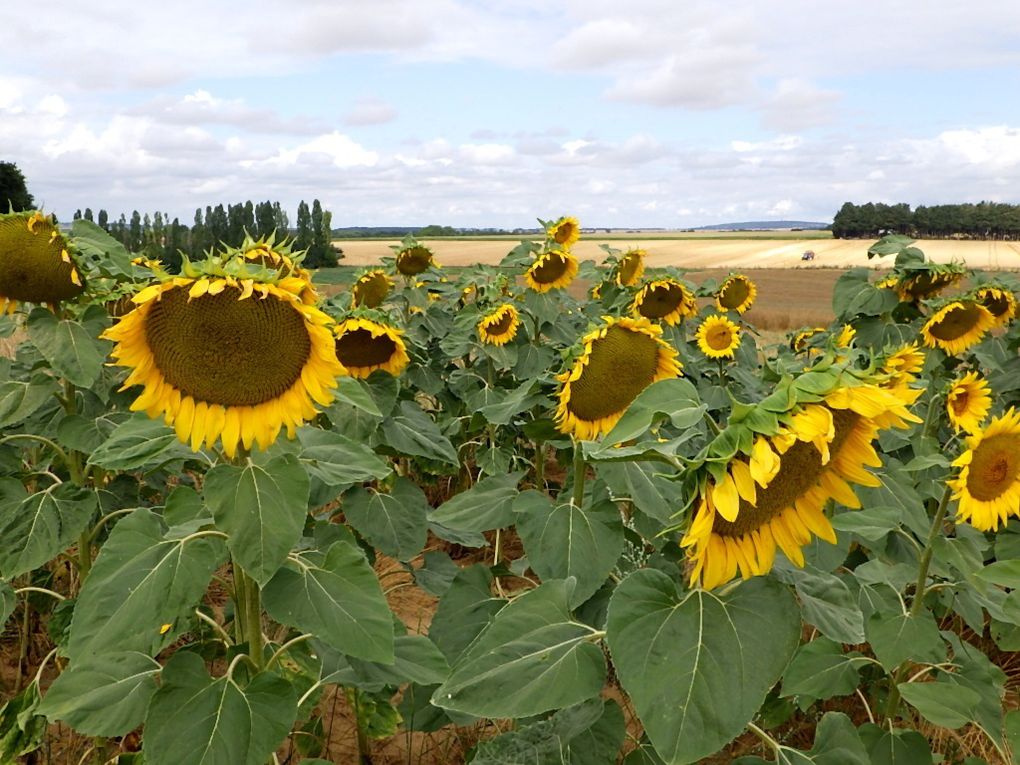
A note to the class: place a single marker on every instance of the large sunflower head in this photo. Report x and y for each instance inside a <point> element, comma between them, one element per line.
<point>1000,302</point>
<point>551,270</point>
<point>666,300</point>
<point>363,346</point>
<point>36,262</point>
<point>775,496</point>
<point>968,402</point>
<point>988,485</point>
<point>564,232</point>
<point>630,268</point>
<point>222,357</point>
<point>414,259</point>
<point>957,326</point>
<point>499,327</point>
<point>737,293</point>
<point>617,362</point>
<point>718,337</point>
<point>923,284</point>
<point>371,289</point>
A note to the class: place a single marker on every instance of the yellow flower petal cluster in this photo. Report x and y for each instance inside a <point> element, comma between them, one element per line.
<point>666,300</point>
<point>564,231</point>
<point>363,346</point>
<point>988,484</point>
<point>551,270</point>
<point>737,293</point>
<point>36,264</point>
<point>968,402</point>
<point>718,337</point>
<point>500,326</point>
<point>631,268</point>
<point>1000,302</point>
<point>800,340</point>
<point>957,326</point>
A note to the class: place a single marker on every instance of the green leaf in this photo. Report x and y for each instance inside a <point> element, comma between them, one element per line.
<point>337,460</point>
<point>873,524</point>
<point>67,346</point>
<point>1011,726</point>
<point>94,242</point>
<point>140,582</point>
<point>139,442</point>
<point>20,399</point>
<point>897,637</point>
<point>511,404</point>
<point>413,432</point>
<point>37,528</point>
<point>1005,573</point>
<point>396,523</point>
<point>895,747</point>
<point>184,505</point>
<point>22,730</point>
<point>675,400</point>
<point>262,509</point>
<point>820,670</point>
<point>416,659</point>
<point>486,505</point>
<point>8,602</point>
<point>336,597</point>
<point>827,603</point>
<point>946,704</point>
<point>679,654</point>
<point>565,540</point>
<point>103,695</point>
<point>836,743</point>
<point>464,610</point>
<point>653,493</point>
<point>436,573</point>
<point>533,657</point>
<point>357,393</point>
<point>196,720</point>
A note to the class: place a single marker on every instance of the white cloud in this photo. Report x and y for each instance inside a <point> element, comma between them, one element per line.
<point>203,108</point>
<point>370,111</point>
<point>333,148</point>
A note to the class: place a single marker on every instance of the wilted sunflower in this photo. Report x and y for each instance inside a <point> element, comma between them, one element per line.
<point>618,361</point>
<point>630,268</point>
<point>957,326</point>
<point>718,337</point>
<point>968,402</point>
<point>742,518</point>
<point>499,327</point>
<point>1000,302</point>
<point>551,270</point>
<point>227,358</point>
<point>363,346</point>
<point>371,289</point>
<point>800,340</point>
<point>36,265</point>
<point>665,300</point>
<point>564,231</point>
<point>737,293</point>
<point>988,486</point>
<point>414,260</point>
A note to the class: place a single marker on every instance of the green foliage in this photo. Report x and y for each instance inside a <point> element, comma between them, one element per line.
<point>14,194</point>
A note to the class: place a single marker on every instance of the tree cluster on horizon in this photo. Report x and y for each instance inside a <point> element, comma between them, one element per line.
<point>984,220</point>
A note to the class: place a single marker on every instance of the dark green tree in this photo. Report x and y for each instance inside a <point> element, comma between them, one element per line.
<point>303,240</point>
<point>265,221</point>
<point>103,221</point>
<point>135,232</point>
<point>77,214</point>
<point>13,190</point>
<point>88,215</point>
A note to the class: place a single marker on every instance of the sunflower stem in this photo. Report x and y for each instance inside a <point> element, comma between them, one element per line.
<point>254,626</point>
<point>580,470</point>
<point>540,465</point>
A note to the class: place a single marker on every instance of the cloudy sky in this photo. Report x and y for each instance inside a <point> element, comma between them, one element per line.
<point>494,112</point>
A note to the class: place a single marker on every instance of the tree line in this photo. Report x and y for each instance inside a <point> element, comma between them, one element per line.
<point>984,220</point>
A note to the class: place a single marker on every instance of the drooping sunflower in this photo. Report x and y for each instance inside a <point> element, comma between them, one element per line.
<point>363,346</point>
<point>564,231</point>
<point>753,509</point>
<point>36,262</point>
<point>737,293</point>
<point>957,326</point>
<point>800,340</point>
<point>968,402</point>
<point>665,300</point>
<point>499,327</point>
<point>551,270</point>
<point>617,362</point>
<point>279,257</point>
<point>228,358</point>
<point>630,268</point>
<point>414,260</point>
<point>1000,302</point>
<point>371,289</point>
<point>921,285</point>
<point>718,337</point>
<point>988,485</point>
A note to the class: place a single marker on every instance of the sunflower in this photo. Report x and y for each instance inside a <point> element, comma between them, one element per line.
<point>277,257</point>
<point>227,358</point>
<point>903,365</point>
<point>371,289</point>
<point>499,327</point>
<point>957,326</point>
<point>846,336</point>
<point>718,337</point>
<point>988,486</point>
<point>618,361</point>
<point>737,293</point>
<point>564,232</point>
<point>630,268</point>
<point>36,265</point>
<point>363,346</point>
<point>921,285</point>
<point>800,340</point>
<point>753,508</point>
<point>665,299</point>
<point>968,402</point>
<point>551,270</point>
<point>414,260</point>
<point>1000,302</point>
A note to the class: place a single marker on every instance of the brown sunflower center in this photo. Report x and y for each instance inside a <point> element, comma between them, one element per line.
<point>661,300</point>
<point>620,366</point>
<point>719,337</point>
<point>994,466</point>
<point>799,470</point>
<point>414,260</point>
<point>550,268</point>
<point>563,233</point>
<point>957,321</point>
<point>499,324</point>
<point>734,293</point>
<point>927,284</point>
<point>371,292</point>
<point>629,267</point>
<point>357,348</point>
<point>31,268</point>
<point>222,350</point>
<point>958,400</point>
<point>996,303</point>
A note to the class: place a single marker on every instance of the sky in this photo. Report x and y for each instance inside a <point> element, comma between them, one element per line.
<point>492,113</point>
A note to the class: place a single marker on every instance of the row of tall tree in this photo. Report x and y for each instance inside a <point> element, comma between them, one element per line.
<point>984,220</point>
<point>159,237</point>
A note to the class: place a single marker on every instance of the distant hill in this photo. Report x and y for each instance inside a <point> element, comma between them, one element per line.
<point>765,225</point>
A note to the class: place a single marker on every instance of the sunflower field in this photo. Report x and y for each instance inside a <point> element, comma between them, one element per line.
<point>543,513</point>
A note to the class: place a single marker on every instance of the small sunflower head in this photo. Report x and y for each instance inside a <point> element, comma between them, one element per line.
<point>799,343</point>
<point>36,262</point>
<point>988,484</point>
<point>1000,302</point>
<point>563,232</point>
<point>551,270</point>
<point>957,326</point>
<point>902,365</point>
<point>499,327</point>
<point>371,289</point>
<point>414,260</point>
<point>737,293</point>
<point>666,300</point>
<point>968,402</point>
<point>363,346</point>
<point>718,337</point>
<point>630,268</point>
